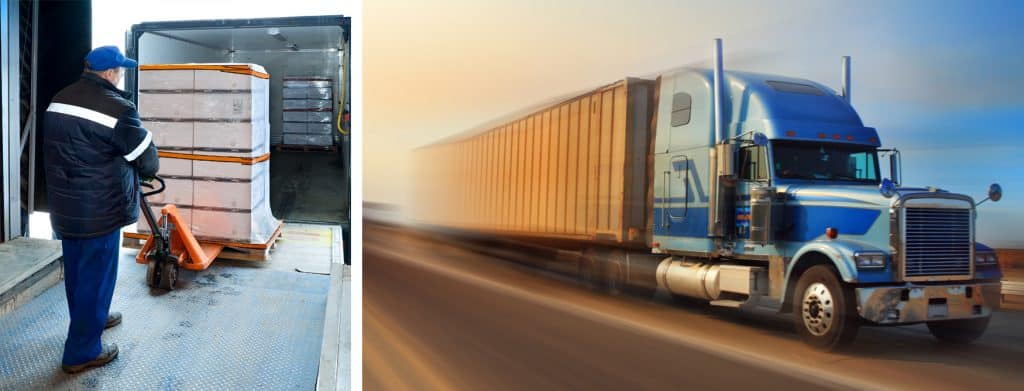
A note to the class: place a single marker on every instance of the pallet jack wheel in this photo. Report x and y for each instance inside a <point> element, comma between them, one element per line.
<point>152,274</point>
<point>168,275</point>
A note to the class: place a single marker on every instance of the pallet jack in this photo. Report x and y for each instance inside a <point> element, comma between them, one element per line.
<point>171,244</point>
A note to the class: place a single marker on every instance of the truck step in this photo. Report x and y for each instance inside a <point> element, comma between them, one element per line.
<point>728,303</point>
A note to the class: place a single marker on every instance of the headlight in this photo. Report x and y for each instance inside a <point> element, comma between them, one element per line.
<point>869,260</point>
<point>985,258</point>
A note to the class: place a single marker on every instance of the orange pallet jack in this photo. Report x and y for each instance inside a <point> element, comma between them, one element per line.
<point>171,244</point>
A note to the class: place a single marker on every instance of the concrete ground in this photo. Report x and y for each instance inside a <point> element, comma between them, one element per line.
<point>439,316</point>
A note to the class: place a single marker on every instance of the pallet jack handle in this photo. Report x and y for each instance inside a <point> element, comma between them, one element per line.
<point>147,212</point>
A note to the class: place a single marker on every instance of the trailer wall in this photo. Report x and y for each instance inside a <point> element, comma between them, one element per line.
<point>577,169</point>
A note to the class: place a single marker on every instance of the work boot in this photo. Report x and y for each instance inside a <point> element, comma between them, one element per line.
<point>113,319</point>
<point>108,354</point>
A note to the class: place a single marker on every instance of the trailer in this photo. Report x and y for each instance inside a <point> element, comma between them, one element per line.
<point>739,189</point>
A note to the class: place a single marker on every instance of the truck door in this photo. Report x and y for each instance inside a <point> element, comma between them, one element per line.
<point>753,172</point>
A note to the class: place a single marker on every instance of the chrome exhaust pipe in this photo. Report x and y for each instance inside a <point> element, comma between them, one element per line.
<point>846,78</point>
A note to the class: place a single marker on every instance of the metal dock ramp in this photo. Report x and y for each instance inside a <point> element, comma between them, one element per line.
<point>237,325</point>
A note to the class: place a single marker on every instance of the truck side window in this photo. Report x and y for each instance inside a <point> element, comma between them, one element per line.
<point>681,109</point>
<point>753,164</point>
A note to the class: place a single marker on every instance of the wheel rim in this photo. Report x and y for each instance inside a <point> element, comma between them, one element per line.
<point>818,309</point>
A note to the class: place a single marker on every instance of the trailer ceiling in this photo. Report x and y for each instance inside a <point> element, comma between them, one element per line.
<point>258,39</point>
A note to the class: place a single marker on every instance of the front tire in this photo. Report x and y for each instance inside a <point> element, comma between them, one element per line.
<point>960,331</point>
<point>825,311</point>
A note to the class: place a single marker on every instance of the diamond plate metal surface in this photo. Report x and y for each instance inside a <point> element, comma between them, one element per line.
<point>230,327</point>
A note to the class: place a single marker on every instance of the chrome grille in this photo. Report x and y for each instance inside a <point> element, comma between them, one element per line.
<point>937,242</point>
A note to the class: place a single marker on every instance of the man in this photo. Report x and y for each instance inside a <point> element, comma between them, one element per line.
<point>95,150</point>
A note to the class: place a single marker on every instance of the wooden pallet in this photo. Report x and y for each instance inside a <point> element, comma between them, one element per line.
<point>306,148</point>
<point>232,250</point>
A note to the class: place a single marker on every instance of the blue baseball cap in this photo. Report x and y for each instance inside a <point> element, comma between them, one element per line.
<point>106,57</point>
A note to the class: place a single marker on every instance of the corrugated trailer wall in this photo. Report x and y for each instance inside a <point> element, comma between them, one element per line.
<point>574,170</point>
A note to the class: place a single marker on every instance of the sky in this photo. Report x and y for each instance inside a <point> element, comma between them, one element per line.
<point>940,80</point>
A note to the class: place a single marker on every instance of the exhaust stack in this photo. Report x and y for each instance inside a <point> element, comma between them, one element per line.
<point>722,157</point>
<point>846,78</point>
<point>717,88</point>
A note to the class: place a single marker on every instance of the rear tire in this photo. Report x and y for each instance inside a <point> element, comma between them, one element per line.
<point>960,331</point>
<point>824,309</point>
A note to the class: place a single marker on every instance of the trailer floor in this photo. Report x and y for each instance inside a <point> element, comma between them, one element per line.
<point>308,186</point>
<point>233,326</point>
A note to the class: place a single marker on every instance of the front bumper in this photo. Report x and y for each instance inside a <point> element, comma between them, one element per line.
<point>913,303</point>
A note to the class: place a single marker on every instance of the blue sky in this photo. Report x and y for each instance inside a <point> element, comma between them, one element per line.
<point>941,80</point>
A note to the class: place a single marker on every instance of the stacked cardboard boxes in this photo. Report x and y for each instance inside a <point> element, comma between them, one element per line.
<point>210,123</point>
<point>308,111</point>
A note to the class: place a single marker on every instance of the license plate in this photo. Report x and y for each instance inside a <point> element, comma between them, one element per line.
<point>938,310</point>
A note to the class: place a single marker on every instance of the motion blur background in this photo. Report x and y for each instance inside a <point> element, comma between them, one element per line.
<point>941,81</point>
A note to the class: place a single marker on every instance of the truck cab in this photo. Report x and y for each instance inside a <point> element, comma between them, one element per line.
<point>783,204</point>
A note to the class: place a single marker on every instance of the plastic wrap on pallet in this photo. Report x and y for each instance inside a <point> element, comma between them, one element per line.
<point>295,127</point>
<point>225,201</point>
<point>308,128</point>
<point>319,128</point>
<point>322,93</point>
<point>309,116</point>
<point>308,104</point>
<point>206,112</point>
<point>301,81</point>
<point>320,140</point>
<point>214,113</point>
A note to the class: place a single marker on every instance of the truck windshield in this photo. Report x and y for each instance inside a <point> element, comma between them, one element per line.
<point>825,161</point>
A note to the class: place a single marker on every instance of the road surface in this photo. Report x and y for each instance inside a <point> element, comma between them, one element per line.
<point>440,316</point>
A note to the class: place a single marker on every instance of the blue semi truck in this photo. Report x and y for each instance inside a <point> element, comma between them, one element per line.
<point>784,205</point>
<point>739,189</point>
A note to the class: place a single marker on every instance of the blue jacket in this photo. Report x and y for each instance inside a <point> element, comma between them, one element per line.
<point>95,149</point>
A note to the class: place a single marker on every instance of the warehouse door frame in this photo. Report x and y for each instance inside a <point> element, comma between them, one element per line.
<point>10,98</point>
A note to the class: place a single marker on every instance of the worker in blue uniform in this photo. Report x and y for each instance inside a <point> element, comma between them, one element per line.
<point>95,150</point>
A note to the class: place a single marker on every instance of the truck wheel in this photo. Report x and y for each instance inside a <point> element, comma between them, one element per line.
<point>960,331</point>
<point>152,274</point>
<point>825,310</point>
<point>168,275</point>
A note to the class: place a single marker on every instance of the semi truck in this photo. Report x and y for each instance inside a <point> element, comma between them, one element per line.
<point>737,189</point>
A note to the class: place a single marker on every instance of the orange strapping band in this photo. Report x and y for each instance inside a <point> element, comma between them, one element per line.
<point>226,159</point>
<point>239,69</point>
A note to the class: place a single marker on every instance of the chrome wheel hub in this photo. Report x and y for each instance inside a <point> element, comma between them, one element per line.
<point>817,309</point>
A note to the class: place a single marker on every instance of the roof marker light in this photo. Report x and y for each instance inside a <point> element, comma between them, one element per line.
<point>837,136</point>
<point>790,133</point>
<point>849,138</point>
<point>822,135</point>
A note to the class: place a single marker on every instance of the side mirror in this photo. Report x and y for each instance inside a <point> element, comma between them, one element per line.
<point>894,167</point>
<point>995,193</point>
<point>760,139</point>
<point>887,188</point>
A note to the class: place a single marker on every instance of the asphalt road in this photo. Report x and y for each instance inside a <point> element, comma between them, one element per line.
<point>439,316</point>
